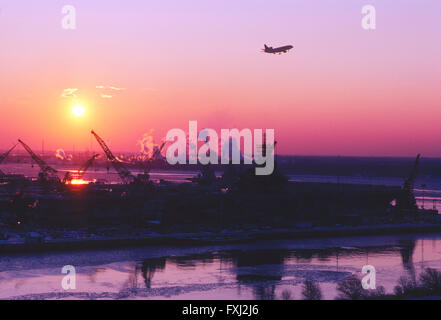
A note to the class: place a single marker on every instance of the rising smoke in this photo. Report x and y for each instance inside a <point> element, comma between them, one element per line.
<point>60,154</point>
<point>147,144</point>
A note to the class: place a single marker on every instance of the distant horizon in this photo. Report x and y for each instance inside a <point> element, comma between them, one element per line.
<point>48,152</point>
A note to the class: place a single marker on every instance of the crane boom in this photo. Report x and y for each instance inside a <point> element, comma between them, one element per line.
<point>69,176</point>
<point>406,201</point>
<point>410,182</point>
<point>3,157</point>
<point>122,171</point>
<point>86,165</point>
<point>45,168</point>
<point>6,154</point>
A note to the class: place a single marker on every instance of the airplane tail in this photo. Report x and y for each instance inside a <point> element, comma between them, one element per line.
<point>266,47</point>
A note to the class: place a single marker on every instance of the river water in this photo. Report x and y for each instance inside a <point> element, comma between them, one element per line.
<point>261,270</point>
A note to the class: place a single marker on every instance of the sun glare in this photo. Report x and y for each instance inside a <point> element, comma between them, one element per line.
<point>78,182</point>
<point>78,111</point>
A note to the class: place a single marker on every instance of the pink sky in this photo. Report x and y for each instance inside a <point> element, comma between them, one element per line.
<point>341,91</point>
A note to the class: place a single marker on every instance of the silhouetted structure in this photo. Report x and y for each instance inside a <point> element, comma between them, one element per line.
<point>406,201</point>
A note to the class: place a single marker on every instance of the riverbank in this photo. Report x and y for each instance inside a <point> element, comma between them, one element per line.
<point>50,240</point>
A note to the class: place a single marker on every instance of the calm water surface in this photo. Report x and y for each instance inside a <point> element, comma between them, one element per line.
<point>260,270</point>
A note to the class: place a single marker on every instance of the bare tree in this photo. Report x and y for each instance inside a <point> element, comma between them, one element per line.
<point>350,289</point>
<point>311,291</point>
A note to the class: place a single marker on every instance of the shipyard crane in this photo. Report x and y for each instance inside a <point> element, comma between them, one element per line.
<point>410,181</point>
<point>4,156</point>
<point>122,171</point>
<point>46,171</point>
<point>407,200</point>
<point>87,165</point>
<point>81,171</point>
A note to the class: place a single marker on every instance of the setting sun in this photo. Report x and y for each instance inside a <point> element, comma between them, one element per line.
<point>78,111</point>
<point>78,182</point>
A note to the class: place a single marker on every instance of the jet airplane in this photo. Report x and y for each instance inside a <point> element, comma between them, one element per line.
<point>278,50</point>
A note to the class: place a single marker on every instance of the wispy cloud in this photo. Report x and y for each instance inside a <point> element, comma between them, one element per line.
<point>69,93</point>
<point>116,88</point>
<point>110,88</point>
<point>107,90</point>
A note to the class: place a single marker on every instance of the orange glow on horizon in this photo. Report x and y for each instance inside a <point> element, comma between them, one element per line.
<point>78,182</point>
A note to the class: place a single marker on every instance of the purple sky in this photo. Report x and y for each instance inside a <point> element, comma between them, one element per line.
<point>342,90</point>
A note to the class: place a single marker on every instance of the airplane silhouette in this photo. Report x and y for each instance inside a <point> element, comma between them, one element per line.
<point>278,50</point>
